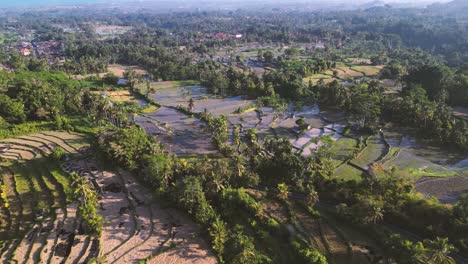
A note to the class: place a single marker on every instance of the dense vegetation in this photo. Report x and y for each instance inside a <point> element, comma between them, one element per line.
<point>429,62</point>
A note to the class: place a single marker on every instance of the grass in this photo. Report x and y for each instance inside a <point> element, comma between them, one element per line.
<point>343,148</point>
<point>166,84</point>
<point>374,150</point>
<point>150,109</point>
<point>368,70</point>
<point>347,173</point>
<point>316,77</point>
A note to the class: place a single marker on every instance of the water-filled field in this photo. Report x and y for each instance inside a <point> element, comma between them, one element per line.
<point>392,148</point>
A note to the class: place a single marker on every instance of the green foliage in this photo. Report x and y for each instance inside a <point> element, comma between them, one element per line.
<point>192,198</point>
<point>241,249</point>
<point>235,200</point>
<point>219,235</point>
<point>84,190</point>
<point>57,154</point>
<point>127,146</point>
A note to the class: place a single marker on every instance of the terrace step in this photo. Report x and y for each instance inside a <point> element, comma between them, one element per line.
<point>39,147</point>
<point>114,202</point>
<point>13,198</point>
<point>47,251</point>
<point>66,234</point>
<point>55,140</point>
<point>146,234</point>
<point>21,253</point>
<point>80,248</point>
<point>133,216</point>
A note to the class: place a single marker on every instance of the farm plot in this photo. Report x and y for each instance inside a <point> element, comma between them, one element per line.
<point>422,158</point>
<point>184,135</point>
<point>447,189</point>
<point>121,96</point>
<point>322,236</point>
<point>368,70</point>
<point>373,152</point>
<point>319,77</point>
<point>346,72</point>
<point>119,70</point>
<point>343,149</point>
<point>179,95</point>
<point>135,227</point>
<point>222,106</point>
<point>245,120</point>
<point>417,166</point>
<point>348,172</point>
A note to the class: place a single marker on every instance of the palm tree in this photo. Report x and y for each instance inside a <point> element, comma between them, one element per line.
<point>83,188</point>
<point>374,214</point>
<point>312,196</point>
<point>191,105</point>
<point>439,251</point>
<point>283,191</point>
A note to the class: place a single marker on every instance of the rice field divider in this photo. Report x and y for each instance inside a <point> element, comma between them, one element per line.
<point>5,204</point>
<point>387,148</point>
<point>93,252</point>
<point>32,139</point>
<point>310,237</point>
<point>356,70</point>
<point>144,240</point>
<point>33,201</point>
<point>35,256</point>
<point>341,236</point>
<point>11,254</point>
<point>16,194</point>
<point>25,149</point>
<point>58,138</point>
<point>85,249</point>
<point>12,156</point>
<point>308,143</point>
<point>39,150</point>
<point>37,182</point>
<point>132,208</point>
<point>345,162</point>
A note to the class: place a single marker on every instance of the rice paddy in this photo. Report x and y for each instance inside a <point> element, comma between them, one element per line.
<point>41,221</point>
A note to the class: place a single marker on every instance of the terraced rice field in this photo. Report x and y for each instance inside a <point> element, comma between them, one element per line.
<point>41,223</point>
<point>373,152</point>
<point>319,77</point>
<point>368,70</point>
<point>338,242</point>
<point>38,195</point>
<point>181,134</point>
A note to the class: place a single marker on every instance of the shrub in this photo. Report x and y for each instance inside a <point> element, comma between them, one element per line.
<point>57,154</point>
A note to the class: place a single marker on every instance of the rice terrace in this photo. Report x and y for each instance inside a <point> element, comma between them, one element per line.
<point>234,132</point>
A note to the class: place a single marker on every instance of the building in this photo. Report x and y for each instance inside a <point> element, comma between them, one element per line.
<point>25,52</point>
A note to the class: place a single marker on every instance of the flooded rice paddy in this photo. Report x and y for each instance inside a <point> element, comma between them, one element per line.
<point>186,135</point>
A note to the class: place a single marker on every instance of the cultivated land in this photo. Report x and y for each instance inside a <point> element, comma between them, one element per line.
<point>345,72</point>
<point>186,135</point>
<point>41,222</point>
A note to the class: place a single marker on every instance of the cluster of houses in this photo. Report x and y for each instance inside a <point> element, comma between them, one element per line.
<point>224,36</point>
<point>25,48</point>
<point>50,49</point>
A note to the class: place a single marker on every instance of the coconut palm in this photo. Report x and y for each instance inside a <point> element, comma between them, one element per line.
<point>374,214</point>
<point>439,251</point>
<point>312,196</point>
<point>283,191</point>
<point>83,188</point>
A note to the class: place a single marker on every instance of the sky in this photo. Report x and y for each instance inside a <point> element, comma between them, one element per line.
<point>36,3</point>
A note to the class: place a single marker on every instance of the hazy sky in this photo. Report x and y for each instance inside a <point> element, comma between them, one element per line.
<point>26,3</point>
